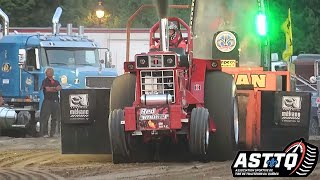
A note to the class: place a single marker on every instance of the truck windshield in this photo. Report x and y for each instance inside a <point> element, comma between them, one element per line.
<point>211,16</point>
<point>72,57</point>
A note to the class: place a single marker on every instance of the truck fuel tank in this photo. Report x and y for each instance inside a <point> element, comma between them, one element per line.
<point>7,117</point>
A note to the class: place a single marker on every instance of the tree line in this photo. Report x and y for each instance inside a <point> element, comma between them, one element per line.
<point>38,13</point>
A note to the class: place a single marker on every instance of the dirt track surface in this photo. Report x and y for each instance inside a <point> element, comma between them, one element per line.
<point>40,158</point>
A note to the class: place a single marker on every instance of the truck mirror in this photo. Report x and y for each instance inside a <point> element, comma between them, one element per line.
<point>37,58</point>
<point>22,58</point>
<point>317,72</point>
<point>108,59</point>
<point>316,68</point>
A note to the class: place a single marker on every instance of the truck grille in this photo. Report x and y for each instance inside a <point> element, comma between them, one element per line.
<point>158,82</point>
<point>99,82</point>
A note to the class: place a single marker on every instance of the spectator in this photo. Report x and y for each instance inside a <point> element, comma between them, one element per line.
<point>50,105</point>
<point>1,99</point>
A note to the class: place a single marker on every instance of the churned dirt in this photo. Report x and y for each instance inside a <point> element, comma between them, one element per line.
<point>40,158</point>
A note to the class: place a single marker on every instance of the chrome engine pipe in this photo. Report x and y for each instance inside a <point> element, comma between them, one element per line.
<point>4,23</point>
<point>55,21</point>
<point>156,99</point>
<point>7,117</point>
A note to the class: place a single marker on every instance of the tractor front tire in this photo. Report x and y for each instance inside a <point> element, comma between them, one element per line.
<point>221,102</point>
<point>119,147</point>
<point>199,132</point>
<point>123,95</point>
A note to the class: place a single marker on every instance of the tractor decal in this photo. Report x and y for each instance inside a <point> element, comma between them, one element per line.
<point>228,63</point>
<point>225,41</point>
<point>153,118</point>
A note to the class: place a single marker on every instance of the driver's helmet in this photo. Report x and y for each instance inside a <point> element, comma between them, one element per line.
<point>175,37</point>
<point>173,26</point>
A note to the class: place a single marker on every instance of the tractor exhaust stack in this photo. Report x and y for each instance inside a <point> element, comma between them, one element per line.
<point>55,21</point>
<point>162,8</point>
<point>4,23</point>
<point>164,36</point>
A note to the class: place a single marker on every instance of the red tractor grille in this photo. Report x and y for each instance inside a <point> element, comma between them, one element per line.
<point>158,82</point>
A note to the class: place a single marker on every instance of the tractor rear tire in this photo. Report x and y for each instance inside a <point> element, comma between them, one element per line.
<point>199,132</point>
<point>122,91</point>
<point>119,147</point>
<point>221,102</point>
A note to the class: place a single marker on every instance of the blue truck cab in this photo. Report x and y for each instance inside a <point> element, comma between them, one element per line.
<point>24,59</point>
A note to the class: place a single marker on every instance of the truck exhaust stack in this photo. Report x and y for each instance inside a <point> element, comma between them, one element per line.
<point>162,9</point>
<point>69,29</point>
<point>4,23</point>
<point>81,30</point>
<point>55,21</point>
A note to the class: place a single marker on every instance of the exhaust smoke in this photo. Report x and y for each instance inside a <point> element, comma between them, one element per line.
<point>162,8</point>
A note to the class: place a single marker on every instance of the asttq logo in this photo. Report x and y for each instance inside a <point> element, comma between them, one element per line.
<point>298,159</point>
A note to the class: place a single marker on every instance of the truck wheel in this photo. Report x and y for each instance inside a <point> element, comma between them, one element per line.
<point>122,91</point>
<point>314,127</point>
<point>199,131</point>
<point>119,148</point>
<point>221,102</point>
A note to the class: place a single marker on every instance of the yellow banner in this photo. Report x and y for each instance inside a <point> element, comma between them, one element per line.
<point>287,29</point>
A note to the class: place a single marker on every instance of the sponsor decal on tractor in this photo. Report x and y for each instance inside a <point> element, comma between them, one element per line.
<point>153,118</point>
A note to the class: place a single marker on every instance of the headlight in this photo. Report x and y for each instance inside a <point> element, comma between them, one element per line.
<point>142,61</point>
<point>64,79</point>
<point>169,60</point>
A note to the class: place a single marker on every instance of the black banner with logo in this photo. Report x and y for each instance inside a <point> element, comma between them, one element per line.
<point>292,109</point>
<point>84,123</point>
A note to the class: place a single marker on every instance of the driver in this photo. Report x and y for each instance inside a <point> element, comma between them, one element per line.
<point>176,40</point>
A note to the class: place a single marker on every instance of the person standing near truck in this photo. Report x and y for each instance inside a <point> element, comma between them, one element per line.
<point>1,99</point>
<point>50,105</point>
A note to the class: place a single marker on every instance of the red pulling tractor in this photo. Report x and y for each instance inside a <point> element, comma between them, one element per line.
<point>170,94</point>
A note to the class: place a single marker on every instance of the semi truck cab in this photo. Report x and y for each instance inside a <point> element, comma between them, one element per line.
<point>24,58</point>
